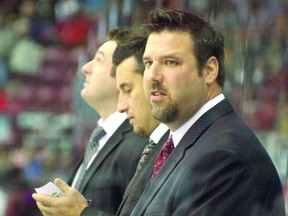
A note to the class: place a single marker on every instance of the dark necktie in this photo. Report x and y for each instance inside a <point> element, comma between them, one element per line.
<point>165,152</point>
<point>145,153</point>
<point>91,148</point>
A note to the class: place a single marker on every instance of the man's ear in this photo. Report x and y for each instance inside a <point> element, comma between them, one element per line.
<point>211,70</point>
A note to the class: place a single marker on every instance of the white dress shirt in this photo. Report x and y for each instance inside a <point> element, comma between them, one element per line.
<point>180,132</point>
<point>158,132</point>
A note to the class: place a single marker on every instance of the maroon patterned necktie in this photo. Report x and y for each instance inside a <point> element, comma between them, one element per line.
<point>165,152</point>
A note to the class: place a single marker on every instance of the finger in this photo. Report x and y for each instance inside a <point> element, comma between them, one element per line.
<point>44,199</point>
<point>63,186</point>
<point>45,210</point>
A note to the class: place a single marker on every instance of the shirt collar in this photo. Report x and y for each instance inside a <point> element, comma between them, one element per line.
<point>112,123</point>
<point>180,132</point>
<point>159,131</point>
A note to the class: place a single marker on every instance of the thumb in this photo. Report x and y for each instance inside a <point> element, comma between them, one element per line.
<point>62,185</point>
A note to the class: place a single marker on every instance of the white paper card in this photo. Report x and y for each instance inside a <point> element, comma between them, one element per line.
<point>49,189</point>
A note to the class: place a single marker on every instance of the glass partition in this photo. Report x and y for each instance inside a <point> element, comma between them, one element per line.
<point>44,124</point>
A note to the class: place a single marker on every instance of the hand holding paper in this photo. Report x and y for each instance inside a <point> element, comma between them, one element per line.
<point>49,189</point>
<point>59,199</point>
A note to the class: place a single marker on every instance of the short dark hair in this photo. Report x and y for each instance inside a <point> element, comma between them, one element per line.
<point>208,42</point>
<point>133,48</point>
<point>122,34</point>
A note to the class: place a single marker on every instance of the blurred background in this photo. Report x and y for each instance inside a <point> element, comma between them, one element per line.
<point>44,124</point>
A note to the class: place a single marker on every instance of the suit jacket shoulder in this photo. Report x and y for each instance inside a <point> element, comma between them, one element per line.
<point>218,168</point>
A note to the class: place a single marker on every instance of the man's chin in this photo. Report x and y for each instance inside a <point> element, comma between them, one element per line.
<point>140,131</point>
<point>85,96</point>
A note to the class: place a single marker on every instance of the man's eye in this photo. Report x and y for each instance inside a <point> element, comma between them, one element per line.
<point>148,64</point>
<point>127,91</point>
<point>171,63</point>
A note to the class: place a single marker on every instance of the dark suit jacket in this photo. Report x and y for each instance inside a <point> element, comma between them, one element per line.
<point>136,187</point>
<point>218,168</point>
<point>112,170</point>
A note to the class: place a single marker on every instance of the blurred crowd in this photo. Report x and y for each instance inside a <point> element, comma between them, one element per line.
<point>43,43</point>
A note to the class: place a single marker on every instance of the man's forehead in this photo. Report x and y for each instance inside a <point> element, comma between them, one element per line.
<point>168,43</point>
<point>125,71</point>
<point>107,47</point>
<point>166,37</point>
<point>127,64</point>
<point>100,52</point>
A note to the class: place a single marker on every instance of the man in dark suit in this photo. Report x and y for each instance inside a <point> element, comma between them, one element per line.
<point>129,70</point>
<point>113,165</point>
<point>213,163</point>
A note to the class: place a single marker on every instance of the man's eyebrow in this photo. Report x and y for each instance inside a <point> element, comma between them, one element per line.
<point>122,85</point>
<point>145,58</point>
<point>173,56</point>
<point>100,52</point>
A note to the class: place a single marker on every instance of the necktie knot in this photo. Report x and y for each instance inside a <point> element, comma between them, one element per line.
<point>164,154</point>
<point>168,147</point>
<point>97,134</point>
<point>93,144</point>
<point>145,153</point>
<point>91,149</point>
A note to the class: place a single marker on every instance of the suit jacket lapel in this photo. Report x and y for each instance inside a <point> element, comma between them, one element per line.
<point>221,109</point>
<point>112,143</point>
<point>73,172</point>
<point>131,185</point>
